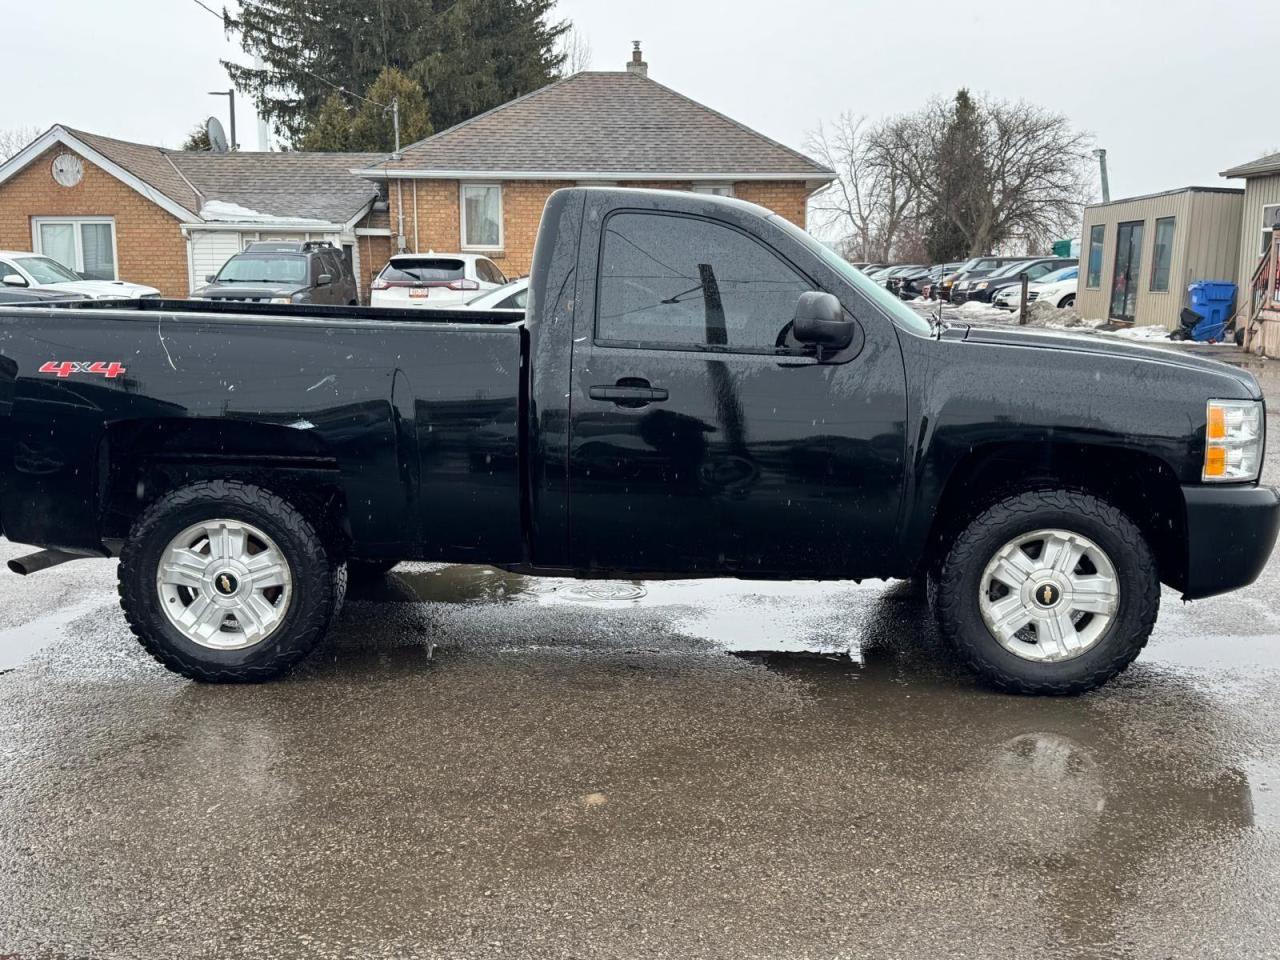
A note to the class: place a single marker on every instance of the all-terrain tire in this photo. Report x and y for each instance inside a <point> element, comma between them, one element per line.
<point>317,585</point>
<point>958,583</point>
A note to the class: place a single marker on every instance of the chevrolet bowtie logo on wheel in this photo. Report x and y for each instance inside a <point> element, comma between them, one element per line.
<point>226,584</point>
<point>1047,594</point>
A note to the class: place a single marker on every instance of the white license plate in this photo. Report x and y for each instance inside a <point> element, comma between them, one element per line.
<point>418,294</point>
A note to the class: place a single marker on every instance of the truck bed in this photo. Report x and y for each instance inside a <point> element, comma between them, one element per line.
<point>410,418</point>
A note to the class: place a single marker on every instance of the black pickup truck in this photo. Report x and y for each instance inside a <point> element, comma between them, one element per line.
<point>699,389</point>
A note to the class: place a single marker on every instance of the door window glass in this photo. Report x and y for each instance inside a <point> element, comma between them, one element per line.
<point>1096,233</point>
<point>1163,254</point>
<point>683,282</point>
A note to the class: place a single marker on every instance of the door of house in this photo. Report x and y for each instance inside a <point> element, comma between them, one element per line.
<point>1125,279</point>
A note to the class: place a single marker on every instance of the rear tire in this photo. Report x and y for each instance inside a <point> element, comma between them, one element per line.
<point>1042,658</point>
<point>241,603</point>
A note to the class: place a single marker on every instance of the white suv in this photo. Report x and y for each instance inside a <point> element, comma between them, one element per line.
<point>433,280</point>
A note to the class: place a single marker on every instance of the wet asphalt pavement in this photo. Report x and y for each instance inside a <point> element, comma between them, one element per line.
<point>717,769</point>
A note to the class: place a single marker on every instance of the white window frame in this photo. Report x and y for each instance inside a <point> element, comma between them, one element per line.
<point>1266,229</point>
<point>715,189</point>
<point>462,217</point>
<point>78,266</point>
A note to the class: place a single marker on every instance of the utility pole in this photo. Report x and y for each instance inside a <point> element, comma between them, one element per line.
<point>231,99</point>
<point>395,122</point>
<point>1100,153</point>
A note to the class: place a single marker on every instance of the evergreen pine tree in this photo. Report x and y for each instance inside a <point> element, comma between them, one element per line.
<point>467,55</point>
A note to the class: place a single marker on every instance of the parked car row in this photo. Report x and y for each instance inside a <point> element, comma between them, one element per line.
<point>986,279</point>
<point>23,272</point>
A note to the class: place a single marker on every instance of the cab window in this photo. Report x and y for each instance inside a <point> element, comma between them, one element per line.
<point>680,282</point>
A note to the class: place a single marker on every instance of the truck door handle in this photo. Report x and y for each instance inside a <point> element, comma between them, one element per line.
<point>629,392</point>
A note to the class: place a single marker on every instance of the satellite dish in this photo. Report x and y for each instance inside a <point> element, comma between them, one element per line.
<point>217,136</point>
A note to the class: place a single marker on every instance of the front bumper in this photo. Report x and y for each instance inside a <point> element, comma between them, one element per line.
<point>1230,533</point>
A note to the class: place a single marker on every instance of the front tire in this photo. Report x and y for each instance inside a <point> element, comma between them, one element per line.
<point>226,582</point>
<point>1048,592</point>
<point>1068,301</point>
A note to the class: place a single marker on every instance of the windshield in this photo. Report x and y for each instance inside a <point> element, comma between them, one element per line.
<point>1062,273</point>
<point>1010,269</point>
<point>45,270</point>
<point>887,302</point>
<point>256,268</point>
<point>497,294</point>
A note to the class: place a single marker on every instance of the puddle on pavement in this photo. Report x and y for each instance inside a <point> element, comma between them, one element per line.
<point>19,643</point>
<point>739,615</point>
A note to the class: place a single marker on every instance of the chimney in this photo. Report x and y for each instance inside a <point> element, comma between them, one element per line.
<point>637,64</point>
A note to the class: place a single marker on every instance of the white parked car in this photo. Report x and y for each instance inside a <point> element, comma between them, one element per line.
<point>513,296</point>
<point>20,268</point>
<point>1058,288</point>
<point>433,280</point>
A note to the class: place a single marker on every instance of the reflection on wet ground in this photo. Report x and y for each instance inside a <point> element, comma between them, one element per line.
<point>597,778</point>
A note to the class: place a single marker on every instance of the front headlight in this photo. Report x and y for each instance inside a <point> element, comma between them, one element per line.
<point>981,286</point>
<point>1233,441</point>
<point>280,300</point>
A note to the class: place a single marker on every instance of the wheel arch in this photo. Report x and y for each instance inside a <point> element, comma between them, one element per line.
<point>142,460</point>
<point>1140,484</point>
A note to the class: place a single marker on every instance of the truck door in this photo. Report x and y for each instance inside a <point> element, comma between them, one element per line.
<point>703,438</point>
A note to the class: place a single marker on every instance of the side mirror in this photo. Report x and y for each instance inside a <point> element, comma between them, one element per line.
<point>820,320</point>
<point>324,280</point>
<point>14,280</point>
<point>208,277</point>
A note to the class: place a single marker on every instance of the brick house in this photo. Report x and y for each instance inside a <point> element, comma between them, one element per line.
<point>167,218</point>
<point>119,210</point>
<point>481,185</point>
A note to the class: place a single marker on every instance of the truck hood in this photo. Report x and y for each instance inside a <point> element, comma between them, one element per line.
<point>247,291</point>
<point>1101,345</point>
<point>102,289</point>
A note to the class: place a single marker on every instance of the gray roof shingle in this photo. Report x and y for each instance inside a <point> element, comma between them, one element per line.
<point>316,186</point>
<point>1255,168</point>
<point>312,186</point>
<point>606,123</point>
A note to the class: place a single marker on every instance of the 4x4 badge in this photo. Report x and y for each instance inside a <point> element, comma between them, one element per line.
<point>65,368</point>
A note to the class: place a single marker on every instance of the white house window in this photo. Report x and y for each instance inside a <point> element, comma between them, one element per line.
<point>85,244</point>
<point>1270,220</point>
<point>715,189</point>
<point>481,216</point>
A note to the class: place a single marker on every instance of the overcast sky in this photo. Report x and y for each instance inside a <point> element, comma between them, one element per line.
<point>1176,90</point>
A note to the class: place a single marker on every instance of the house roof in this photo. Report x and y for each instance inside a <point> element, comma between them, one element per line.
<point>199,186</point>
<point>607,125</point>
<point>1255,168</point>
<point>317,186</point>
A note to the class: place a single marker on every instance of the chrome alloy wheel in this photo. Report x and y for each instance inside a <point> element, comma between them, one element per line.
<point>224,584</point>
<point>1049,595</point>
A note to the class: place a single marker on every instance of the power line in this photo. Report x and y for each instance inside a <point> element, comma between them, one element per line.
<point>338,87</point>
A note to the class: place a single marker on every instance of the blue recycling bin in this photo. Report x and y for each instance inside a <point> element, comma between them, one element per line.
<point>1211,299</point>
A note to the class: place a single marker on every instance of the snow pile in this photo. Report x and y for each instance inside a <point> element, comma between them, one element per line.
<point>222,211</point>
<point>1150,332</point>
<point>1045,314</point>
<point>977,311</point>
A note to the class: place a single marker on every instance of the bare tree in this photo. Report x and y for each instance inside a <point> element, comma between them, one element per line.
<point>871,200</point>
<point>577,52</point>
<point>993,169</point>
<point>14,139</point>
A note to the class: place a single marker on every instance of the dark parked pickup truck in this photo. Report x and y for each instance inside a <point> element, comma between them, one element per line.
<point>699,389</point>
